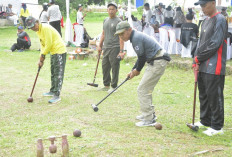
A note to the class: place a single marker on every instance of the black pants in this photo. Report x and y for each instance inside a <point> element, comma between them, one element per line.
<point>24,23</point>
<point>211,100</point>
<point>56,25</point>
<point>21,44</point>
<point>200,21</point>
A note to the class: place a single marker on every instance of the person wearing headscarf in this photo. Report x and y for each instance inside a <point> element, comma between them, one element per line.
<point>24,13</point>
<point>54,16</point>
<point>43,18</point>
<point>168,13</point>
<point>179,18</point>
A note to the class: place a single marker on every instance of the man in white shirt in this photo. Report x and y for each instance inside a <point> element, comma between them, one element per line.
<point>80,21</point>
<point>147,13</point>
<point>159,13</point>
<point>120,12</point>
<point>54,16</point>
<point>80,17</point>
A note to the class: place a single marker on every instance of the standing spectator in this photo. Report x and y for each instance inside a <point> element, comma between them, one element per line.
<point>126,14</point>
<point>10,15</point>
<point>80,21</point>
<point>168,13</point>
<point>189,32</point>
<point>23,41</point>
<point>137,25</point>
<point>201,18</point>
<point>147,13</point>
<point>51,42</point>
<point>43,17</point>
<point>210,61</point>
<point>80,16</point>
<point>54,16</point>
<point>24,13</point>
<point>159,14</point>
<point>192,12</point>
<point>112,48</point>
<point>179,18</point>
<point>147,50</point>
<point>223,12</point>
<point>120,13</point>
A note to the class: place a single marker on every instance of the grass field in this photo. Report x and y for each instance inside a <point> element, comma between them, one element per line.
<point>109,132</point>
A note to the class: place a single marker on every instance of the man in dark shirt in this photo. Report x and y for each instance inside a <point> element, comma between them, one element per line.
<point>148,50</point>
<point>189,32</point>
<point>210,61</point>
<point>112,48</point>
<point>23,41</point>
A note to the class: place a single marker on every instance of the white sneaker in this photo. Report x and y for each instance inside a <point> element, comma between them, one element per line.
<point>200,125</point>
<point>141,117</point>
<point>146,123</point>
<point>110,90</point>
<point>212,132</point>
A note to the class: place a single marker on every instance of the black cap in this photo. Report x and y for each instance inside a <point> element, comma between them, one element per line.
<point>203,2</point>
<point>112,4</point>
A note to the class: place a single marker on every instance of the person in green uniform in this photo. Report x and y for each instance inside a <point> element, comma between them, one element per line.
<point>112,48</point>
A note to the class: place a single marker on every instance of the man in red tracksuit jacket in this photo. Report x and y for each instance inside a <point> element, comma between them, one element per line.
<point>210,61</point>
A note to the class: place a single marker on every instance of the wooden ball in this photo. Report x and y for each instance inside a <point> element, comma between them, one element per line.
<point>77,133</point>
<point>158,126</point>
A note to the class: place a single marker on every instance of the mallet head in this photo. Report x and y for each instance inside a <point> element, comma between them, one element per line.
<point>193,127</point>
<point>30,99</point>
<point>95,108</point>
<point>92,84</point>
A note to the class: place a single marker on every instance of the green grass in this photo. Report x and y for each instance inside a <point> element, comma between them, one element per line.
<point>109,132</point>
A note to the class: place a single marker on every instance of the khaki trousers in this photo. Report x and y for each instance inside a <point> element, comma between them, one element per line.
<point>149,80</point>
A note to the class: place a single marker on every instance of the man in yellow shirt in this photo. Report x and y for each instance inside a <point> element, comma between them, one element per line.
<point>51,42</point>
<point>24,13</point>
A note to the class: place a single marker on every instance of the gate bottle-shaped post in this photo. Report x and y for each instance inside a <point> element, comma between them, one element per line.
<point>65,147</point>
<point>52,147</point>
<point>40,149</point>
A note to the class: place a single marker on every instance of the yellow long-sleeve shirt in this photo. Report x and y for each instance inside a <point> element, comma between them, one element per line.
<point>24,14</point>
<point>50,40</point>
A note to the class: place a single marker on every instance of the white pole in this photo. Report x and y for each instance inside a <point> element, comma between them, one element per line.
<point>68,26</point>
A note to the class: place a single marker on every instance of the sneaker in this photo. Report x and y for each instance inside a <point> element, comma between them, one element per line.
<point>212,132</point>
<point>48,94</point>
<point>110,90</point>
<point>21,50</point>
<point>105,88</point>
<point>141,117</point>
<point>200,125</point>
<point>54,100</point>
<point>146,123</point>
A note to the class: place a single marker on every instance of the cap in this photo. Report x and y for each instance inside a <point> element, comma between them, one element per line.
<point>30,22</point>
<point>112,4</point>
<point>121,27</point>
<point>203,2</point>
<point>20,27</point>
<point>80,5</point>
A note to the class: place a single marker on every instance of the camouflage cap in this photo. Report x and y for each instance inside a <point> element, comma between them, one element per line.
<point>121,27</point>
<point>30,22</point>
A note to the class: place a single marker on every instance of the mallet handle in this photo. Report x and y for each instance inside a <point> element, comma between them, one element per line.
<point>35,81</point>
<point>113,91</point>
<point>99,56</point>
<point>195,93</point>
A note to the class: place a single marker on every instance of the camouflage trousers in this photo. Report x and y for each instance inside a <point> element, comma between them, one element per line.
<point>58,62</point>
